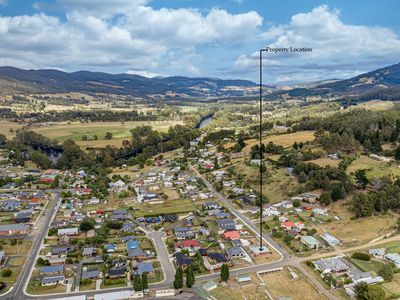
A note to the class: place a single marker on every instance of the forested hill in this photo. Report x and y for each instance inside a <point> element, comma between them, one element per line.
<point>14,80</point>
<point>382,84</point>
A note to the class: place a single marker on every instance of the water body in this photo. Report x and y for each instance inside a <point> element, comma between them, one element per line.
<point>204,121</point>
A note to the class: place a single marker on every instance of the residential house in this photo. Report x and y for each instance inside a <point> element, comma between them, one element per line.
<point>110,248</point>
<point>256,251</point>
<point>117,272</point>
<point>51,270</point>
<point>231,235</point>
<point>334,265</point>
<point>146,267</point>
<point>330,240</point>
<point>235,252</point>
<point>310,241</point>
<point>68,231</point>
<point>190,245</point>
<point>393,258</point>
<point>53,280</point>
<point>11,229</point>
<point>377,252</point>
<point>91,274</point>
<point>182,260</point>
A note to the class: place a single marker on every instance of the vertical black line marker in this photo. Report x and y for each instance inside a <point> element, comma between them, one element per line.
<point>261,160</point>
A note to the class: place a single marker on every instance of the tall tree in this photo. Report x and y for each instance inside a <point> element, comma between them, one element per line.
<point>178,282</point>
<point>190,279</point>
<point>137,283</point>
<point>386,272</point>
<point>224,272</point>
<point>145,283</point>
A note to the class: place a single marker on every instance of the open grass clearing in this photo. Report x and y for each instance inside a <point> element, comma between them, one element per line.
<point>285,140</point>
<point>75,130</point>
<point>356,231</point>
<point>374,168</point>
<point>6,126</point>
<point>235,291</point>
<point>392,289</point>
<point>280,284</point>
<point>373,265</point>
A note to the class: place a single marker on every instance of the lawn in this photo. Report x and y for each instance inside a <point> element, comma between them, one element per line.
<point>368,266</point>
<point>392,288</point>
<point>325,161</point>
<point>374,168</point>
<point>356,231</point>
<point>236,292</point>
<point>179,206</point>
<point>277,185</point>
<point>280,284</point>
<point>286,140</point>
<point>75,130</point>
<point>6,126</point>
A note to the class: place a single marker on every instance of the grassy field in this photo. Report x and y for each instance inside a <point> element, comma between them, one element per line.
<point>368,266</point>
<point>353,232</point>
<point>392,289</point>
<point>374,168</point>
<point>75,130</point>
<point>324,161</point>
<point>286,140</point>
<point>236,292</point>
<point>277,185</point>
<point>6,126</point>
<point>280,284</point>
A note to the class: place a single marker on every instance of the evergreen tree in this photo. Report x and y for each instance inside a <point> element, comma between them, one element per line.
<point>178,282</point>
<point>137,283</point>
<point>386,272</point>
<point>224,272</point>
<point>145,283</point>
<point>190,279</point>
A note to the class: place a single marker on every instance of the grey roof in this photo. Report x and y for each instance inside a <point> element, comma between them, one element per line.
<point>52,279</point>
<point>137,252</point>
<point>145,267</point>
<point>52,269</point>
<point>90,274</point>
<point>234,251</point>
<point>19,227</point>
<point>333,264</point>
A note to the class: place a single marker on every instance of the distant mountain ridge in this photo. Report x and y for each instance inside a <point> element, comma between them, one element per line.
<point>54,81</point>
<point>384,81</point>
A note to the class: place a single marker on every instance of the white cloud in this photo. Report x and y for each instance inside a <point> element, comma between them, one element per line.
<point>129,36</point>
<point>336,46</point>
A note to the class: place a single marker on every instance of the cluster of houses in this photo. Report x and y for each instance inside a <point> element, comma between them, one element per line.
<point>381,253</point>
<point>232,242</point>
<point>346,274</point>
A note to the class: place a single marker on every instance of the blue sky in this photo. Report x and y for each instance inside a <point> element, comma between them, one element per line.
<point>201,38</point>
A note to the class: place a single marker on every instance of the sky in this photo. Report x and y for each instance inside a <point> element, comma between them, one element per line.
<point>202,38</point>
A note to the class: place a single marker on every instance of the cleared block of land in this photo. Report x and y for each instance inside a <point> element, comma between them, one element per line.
<point>75,130</point>
<point>280,284</point>
<point>374,168</point>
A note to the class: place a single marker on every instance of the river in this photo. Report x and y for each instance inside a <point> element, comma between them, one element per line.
<point>204,121</point>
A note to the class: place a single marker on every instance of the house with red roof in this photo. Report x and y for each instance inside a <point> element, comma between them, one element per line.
<point>190,245</point>
<point>231,235</point>
<point>287,225</point>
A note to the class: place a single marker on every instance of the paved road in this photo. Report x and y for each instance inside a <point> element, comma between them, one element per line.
<point>167,266</point>
<point>164,257</point>
<point>38,236</point>
<point>268,239</point>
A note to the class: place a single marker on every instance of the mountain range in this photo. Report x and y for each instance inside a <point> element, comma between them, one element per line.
<point>384,81</point>
<point>53,81</point>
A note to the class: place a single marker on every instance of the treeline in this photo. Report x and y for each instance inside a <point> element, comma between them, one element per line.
<point>78,115</point>
<point>346,131</point>
<point>219,135</point>
<point>386,197</point>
